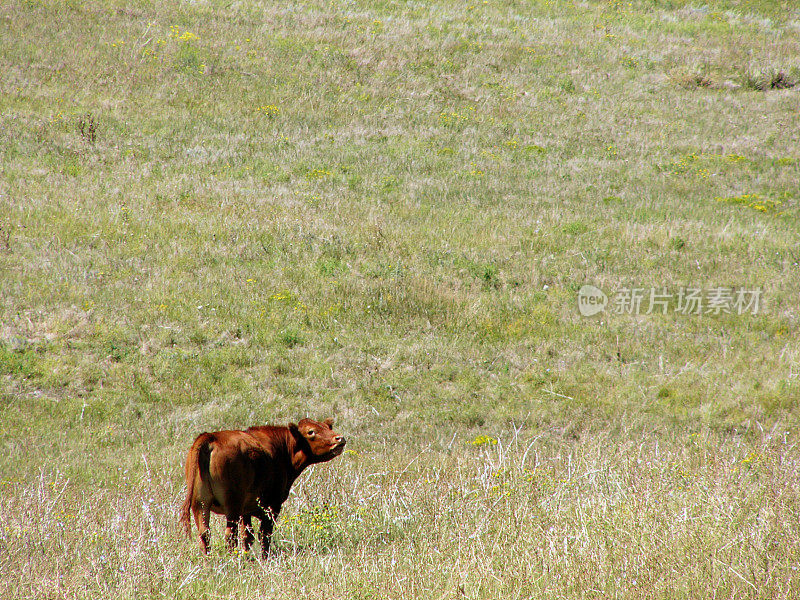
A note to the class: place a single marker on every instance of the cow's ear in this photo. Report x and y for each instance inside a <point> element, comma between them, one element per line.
<point>329,423</point>
<point>294,428</point>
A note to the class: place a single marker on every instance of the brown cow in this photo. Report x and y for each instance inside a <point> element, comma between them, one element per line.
<point>245,474</point>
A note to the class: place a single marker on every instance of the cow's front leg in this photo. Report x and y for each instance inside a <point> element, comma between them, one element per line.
<point>247,528</point>
<point>267,525</point>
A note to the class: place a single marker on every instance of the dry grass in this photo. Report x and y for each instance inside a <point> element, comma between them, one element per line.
<point>661,517</point>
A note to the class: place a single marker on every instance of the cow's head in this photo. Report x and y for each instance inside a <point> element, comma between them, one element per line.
<point>323,442</point>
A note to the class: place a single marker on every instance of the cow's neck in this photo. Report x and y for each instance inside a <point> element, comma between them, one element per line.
<point>299,462</point>
<point>299,457</point>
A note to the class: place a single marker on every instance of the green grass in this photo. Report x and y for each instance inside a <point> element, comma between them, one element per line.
<point>214,215</point>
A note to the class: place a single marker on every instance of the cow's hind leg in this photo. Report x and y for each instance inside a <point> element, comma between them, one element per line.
<point>232,530</point>
<point>202,516</point>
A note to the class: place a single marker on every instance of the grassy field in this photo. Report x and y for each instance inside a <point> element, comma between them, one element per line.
<point>218,214</point>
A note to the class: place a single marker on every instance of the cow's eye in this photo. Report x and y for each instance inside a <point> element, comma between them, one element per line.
<point>311,433</point>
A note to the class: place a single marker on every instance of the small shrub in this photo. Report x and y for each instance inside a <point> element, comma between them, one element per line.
<point>692,79</point>
<point>768,79</point>
<point>5,237</point>
<point>329,266</point>
<point>198,337</point>
<point>566,84</point>
<point>290,338</point>
<point>575,228</point>
<point>87,128</point>
<point>187,60</point>
<point>677,243</point>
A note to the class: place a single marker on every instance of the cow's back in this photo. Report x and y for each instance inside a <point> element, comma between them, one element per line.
<point>245,472</point>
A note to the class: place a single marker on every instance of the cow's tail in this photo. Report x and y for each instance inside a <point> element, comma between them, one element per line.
<point>196,466</point>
